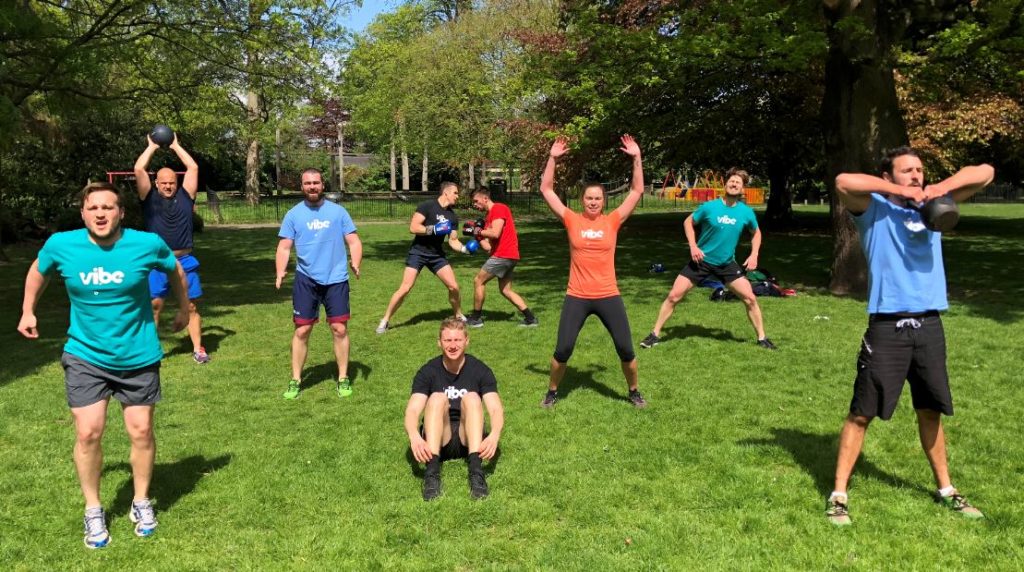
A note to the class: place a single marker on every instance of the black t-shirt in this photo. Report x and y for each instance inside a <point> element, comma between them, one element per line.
<point>475,376</point>
<point>433,213</point>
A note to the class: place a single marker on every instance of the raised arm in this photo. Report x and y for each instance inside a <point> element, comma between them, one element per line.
<point>35,285</point>
<point>355,252</point>
<point>489,446</point>
<point>142,182</point>
<point>191,180</point>
<point>420,448</point>
<point>963,184</point>
<point>284,252</point>
<point>636,187</point>
<point>854,190</point>
<point>547,180</point>
<point>493,231</point>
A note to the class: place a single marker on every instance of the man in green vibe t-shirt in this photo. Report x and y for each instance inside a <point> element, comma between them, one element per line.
<point>721,222</point>
<point>112,347</point>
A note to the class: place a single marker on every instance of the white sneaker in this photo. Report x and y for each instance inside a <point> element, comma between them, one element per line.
<point>382,327</point>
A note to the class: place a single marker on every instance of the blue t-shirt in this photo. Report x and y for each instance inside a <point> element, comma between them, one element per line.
<point>319,236</point>
<point>905,271</point>
<point>108,286</point>
<point>720,229</point>
<point>170,218</point>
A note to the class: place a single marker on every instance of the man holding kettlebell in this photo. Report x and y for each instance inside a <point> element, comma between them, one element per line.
<point>905,340</point>
<point>168,213</point>
<point>433,223</point>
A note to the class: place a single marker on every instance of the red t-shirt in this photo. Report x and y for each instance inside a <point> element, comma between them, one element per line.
<point>507,246</point>
<point>592,254</point>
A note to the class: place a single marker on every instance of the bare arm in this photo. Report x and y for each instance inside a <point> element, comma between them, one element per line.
<point>963,184</point>
<point>489,446</point>
<point>854,190</point>
<point>416,225</point>
<point>355,252</point>
<point>636,187</point>
<point>179,285</point>
<point>456,244</point>
<point>142,182</point>
<point>191,180</point>
<point>493,231</point>
<point>755,248</point>
<point>35,285</point>
<point>420,448</point>
<point>696,254</point>
<point>284,252</point>
<point>547,180</point>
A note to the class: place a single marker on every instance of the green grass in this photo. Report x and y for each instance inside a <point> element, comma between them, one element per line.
<point>727,469</point>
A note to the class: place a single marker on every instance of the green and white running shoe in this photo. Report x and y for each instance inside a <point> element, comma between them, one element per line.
<point>837,512</point>
<point>344,387</point>
<point>956,502</point>
<point>293,390</point>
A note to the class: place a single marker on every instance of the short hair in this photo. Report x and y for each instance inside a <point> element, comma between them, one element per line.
<point>311,171</point>
<point>589,184</point>
<point>447,184</point>
<point>737,172</point>
<point>97,187</point>
<point>452,323</point>
<point>889,157</point>
<point>482,190</point>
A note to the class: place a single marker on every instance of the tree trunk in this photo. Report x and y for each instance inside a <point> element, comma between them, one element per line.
<point>423,184</point>
<point>861,116</point>
<point>277,160</point>
<point>472,175</point>
<point>405,169</point>
<point>779,213</point>
<point>341,158</point>
<point>394,167</point>
<point>252,156</point>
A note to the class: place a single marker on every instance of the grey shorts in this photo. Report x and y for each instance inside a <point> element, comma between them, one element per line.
<point>500,267</point>
<point>86,383</point>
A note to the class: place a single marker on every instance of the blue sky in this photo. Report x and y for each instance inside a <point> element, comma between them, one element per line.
<point>358,18</point>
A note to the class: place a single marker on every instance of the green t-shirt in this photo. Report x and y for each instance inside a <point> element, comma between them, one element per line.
<point>720,229</point>
<point>111,316</point>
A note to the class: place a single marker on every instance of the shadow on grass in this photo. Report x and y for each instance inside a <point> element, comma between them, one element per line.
<point>328,371</point>
<point>417,468</point>
<point>816,455</point>
<point>171,481</point>
<point>576,378</point>
<point>212,337</point>
<point>698,331</point>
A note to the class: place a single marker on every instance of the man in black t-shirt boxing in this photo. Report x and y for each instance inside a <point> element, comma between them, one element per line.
<point>432,224</point>
<point>450,392</point>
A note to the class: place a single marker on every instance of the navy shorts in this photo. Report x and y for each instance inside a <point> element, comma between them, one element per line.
<point>159,285</point>
<point>897,349</point>
<point>417,260</point>
<point>308,295</point>
<point>696,272</point>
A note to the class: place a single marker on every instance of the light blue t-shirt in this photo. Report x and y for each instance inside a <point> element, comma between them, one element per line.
<point>108,286</point>
<point>720,229</point>
<point>319,236</point>
<point>905,271</point>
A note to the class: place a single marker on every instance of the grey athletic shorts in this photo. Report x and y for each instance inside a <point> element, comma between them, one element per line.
<point>500,267</point>
<point>87,383</point>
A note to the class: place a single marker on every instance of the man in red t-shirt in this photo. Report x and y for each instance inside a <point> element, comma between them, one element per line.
<point>497,234</point>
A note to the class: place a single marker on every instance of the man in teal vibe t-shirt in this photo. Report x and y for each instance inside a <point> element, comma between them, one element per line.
<point>112,347</point>
<point>722,222</point>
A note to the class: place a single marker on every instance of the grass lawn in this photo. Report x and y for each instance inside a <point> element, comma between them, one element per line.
<point>727,469</point>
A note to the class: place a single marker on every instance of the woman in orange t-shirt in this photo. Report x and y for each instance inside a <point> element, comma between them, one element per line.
<point>592,286</point>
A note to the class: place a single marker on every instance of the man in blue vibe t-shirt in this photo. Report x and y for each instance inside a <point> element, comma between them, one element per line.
<point>112,347</point>
<point>905,341</point>
<point>320,231</point>
<point>722,222</point>
<point>168,213</point>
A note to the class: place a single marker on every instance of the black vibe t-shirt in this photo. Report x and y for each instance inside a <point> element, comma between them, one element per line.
<point>434,213</point>
<point>475,376</point>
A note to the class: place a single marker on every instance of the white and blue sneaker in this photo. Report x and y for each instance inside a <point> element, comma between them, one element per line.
<point>96,535</point>
<point>144,517</point>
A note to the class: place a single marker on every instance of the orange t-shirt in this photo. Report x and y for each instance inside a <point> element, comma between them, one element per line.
<point>592,254</point>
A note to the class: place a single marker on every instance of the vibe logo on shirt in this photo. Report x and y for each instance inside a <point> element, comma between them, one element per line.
<point>724,219</point>
<point>100,276</point>
<point>592,234</point>
<point>317,224</point>
<point>453,393</point>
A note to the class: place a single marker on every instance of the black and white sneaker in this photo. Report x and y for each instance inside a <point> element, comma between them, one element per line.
<point>637,399</point>
<point>650,341</point>
<point>478,485</point>
<point>550,399</point>
<point>766,344</point>
<point>529,323</point>
<point>474,322</point>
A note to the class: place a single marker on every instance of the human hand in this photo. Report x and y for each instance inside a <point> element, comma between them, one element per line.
<point>629,146</point>
<point>280,278</point>
<point>27,326</point>
<point>180,320</point>
<point>420,449</point>
<point>696,254</point>
<point>489,447</point>
<point>355,270</point>
<point>559,148</point>
<point>751,262</point>
<point>934,192</point>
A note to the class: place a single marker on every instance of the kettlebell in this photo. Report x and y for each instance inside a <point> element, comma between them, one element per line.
<point>162,135</point>
<point>939,214</point>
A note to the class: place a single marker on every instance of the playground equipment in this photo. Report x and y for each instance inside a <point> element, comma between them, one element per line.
<point>707,186</point>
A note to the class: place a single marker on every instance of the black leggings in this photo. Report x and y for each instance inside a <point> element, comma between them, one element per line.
<point>612,313</point>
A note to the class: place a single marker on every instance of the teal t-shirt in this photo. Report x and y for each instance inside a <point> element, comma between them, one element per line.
<point>111,316</point>
<point>720,229</point>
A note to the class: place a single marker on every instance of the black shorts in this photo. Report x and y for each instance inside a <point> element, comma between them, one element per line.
<point>86,383</point>
<point>454,448</point>
<point>417,260</point>
<point>696,272</point>
<point>897,349</point>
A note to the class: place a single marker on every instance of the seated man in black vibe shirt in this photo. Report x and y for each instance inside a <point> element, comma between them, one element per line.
<point>450,393</point>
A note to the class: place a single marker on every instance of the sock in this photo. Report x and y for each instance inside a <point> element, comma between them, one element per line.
<point>552,392</point>
<point>528,314</point>
<point>474,462</point>
<point>434,465</point>
<point>945,492</point>
<point>836,495</point>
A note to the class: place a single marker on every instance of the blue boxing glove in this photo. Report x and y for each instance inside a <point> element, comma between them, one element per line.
<point>470,247</point>
<point>440,229</point>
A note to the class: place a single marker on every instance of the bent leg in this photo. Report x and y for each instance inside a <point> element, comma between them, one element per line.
<point>447,277</point>
<point>138,421</point>
<point>195,327</point>
<point>437,428</point>
<point>505,287</point>
<point>574,313</point>
<point>742,288</point>
<point>480,289</point>
<point>680,287</point>
<point>90,422</point>
<point>408,281</point>
<point>471,428</point>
